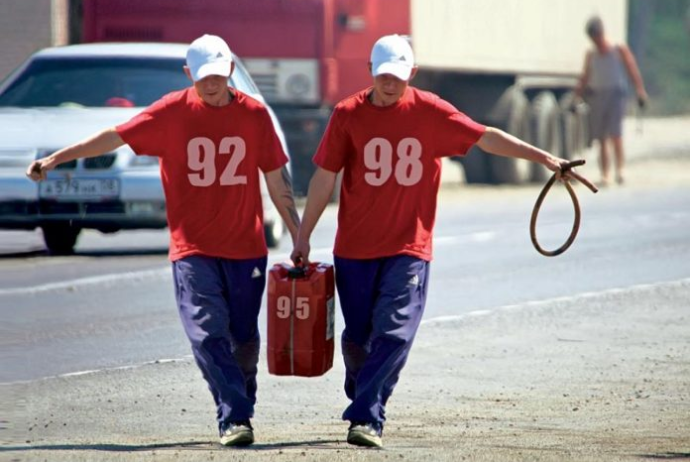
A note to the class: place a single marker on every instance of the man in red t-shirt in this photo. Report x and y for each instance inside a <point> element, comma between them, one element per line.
<point>388,142</point>
<point>212,141</point>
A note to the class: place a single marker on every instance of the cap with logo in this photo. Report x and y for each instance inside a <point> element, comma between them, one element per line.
<point>392,54</point>
<point>209,55</point>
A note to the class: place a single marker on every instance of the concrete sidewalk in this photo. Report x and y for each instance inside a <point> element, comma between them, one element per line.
<point>643,138</point>
<point>602,376</point>
<point>659,138</point>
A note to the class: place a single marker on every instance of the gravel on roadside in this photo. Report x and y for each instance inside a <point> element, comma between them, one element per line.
<point>602,376</point>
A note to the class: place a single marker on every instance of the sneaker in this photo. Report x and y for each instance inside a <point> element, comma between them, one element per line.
<point>366,434</point>
<point>237,434</point>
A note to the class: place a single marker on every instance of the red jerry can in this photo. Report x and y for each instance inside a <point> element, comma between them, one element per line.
<point>301,318</point>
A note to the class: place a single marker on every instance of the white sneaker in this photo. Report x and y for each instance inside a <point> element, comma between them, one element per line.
<point>365,434</point>
<point>237,434</point>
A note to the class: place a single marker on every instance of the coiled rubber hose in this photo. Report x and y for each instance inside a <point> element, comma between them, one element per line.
<point>576,205</point>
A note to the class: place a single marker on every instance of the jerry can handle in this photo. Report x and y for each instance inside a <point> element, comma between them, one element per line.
<point>299,271</point>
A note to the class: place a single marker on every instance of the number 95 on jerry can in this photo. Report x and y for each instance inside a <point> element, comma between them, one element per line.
<point>301,317</point>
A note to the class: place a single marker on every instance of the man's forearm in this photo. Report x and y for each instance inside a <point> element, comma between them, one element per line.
<point>498,142</point>
<point>320,192</point>
<point>633,70</point>
<point>101,143</point>
<point>279,185</point>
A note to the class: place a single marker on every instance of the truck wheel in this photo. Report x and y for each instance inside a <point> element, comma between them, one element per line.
<point>273,233</point>
<point>476,166</point>
<point>583,138</point>
<point>547,130</point>
<point>60,238</point>
<point>511,113</point>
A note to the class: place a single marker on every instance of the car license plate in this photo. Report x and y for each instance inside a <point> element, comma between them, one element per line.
<point>79,188</point>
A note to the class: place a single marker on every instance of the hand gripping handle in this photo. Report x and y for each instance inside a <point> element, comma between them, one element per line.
<point>298,271</point>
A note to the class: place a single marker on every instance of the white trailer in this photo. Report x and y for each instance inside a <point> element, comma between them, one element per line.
<point>511,64</point>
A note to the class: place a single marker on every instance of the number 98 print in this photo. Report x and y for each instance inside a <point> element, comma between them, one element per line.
<point>408,168</point>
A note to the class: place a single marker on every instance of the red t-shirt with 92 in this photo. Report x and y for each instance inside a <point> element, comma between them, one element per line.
<point>210,159</point>
<point>391,161</point>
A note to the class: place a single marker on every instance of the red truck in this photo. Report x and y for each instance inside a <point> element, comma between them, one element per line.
<point>507,63</point>
<point>305,55</point>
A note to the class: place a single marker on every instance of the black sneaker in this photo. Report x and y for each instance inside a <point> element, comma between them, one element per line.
<point>367,434</point>
<point>237,434</point>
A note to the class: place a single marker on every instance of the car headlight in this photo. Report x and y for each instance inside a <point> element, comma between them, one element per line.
<point>143,161</point>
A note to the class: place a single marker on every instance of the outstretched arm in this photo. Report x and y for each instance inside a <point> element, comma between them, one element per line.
<point>105,141</point>
<point>633,72</point>
<point>320,192</point>
<point>498,142</point>
<point>279,186</point>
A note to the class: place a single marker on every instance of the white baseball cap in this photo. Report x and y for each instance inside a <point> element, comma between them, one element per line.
<point>392,54</point>
<point>209,55</point>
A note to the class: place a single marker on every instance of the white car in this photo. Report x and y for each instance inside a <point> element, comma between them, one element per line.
<point>64,94</point>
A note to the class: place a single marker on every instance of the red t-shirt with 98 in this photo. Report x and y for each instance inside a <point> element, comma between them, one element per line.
<point>391,161</point>
<point>210,159</point>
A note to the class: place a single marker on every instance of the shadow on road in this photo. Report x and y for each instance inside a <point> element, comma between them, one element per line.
<point>109,447</point>
<point>88,253</point>
<point>188,445</point>
<point>123,252</point>
<point>23,254</point>
<point>316,444</point>
<point>668,456</point>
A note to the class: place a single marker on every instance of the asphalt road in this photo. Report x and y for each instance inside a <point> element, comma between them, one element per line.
<point>112,304</point>
<point>582,357</point>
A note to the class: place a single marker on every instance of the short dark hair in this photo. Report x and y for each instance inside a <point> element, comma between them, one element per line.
<point>595,26</point>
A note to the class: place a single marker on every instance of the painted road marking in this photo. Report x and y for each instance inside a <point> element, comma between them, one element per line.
<point>437,320</point>
<point>165,272</point>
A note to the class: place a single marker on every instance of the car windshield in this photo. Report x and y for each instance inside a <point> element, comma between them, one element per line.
<point>99,82</point>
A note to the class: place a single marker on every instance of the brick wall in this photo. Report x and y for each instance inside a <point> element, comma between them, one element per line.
<point>27,26</point>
